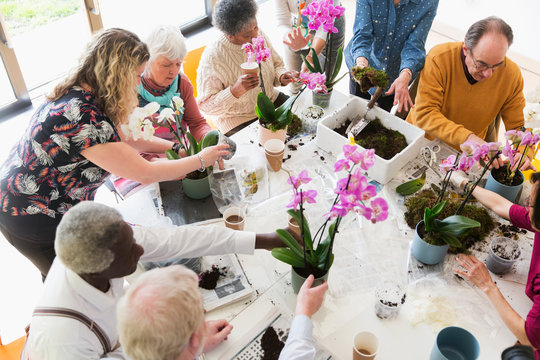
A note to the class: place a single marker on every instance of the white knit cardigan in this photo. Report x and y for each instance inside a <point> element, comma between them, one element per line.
<point>219,69</point>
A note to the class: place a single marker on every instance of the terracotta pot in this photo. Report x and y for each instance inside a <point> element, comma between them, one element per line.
<point>196,189</point>
<point>427,253</point>
<point>297,280</point>
<point>267,134</point>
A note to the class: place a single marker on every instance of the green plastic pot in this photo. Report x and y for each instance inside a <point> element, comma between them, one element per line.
<point>196,189</point>
<point>298,280</point>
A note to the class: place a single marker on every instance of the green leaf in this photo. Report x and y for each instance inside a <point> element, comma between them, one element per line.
<point>290,242</point>
<point>436,210</point>
<point>307,233</point>
<point>316,63</point>
<point>171,155</point>
<point>410,187</point>
<point>210,139</point>
<point>330,262</point>
<point>308,65</point>
<point>288,257</point>
<point>456,225</point>
<point>451,240</point>
<point>193,145</point>
<point>337,67</point>
<point>266,107</point>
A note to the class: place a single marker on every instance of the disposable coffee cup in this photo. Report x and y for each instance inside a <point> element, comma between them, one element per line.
<point>365,346</point>
<point>235,218</point>
<point>274,150</point>
<point>294,226</point>
<point>249,68</point>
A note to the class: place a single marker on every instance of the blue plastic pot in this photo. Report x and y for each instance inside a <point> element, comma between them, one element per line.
<point>427,253</point>
<point>508,192</point>
<point>455,343</point>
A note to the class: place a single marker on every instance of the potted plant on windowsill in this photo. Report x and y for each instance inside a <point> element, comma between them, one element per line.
<point>141,124</point>
<point>507,180</point>
<point>352,194</point>
<point>324,13</point>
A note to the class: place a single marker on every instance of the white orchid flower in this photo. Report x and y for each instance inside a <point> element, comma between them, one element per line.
<point>178,102</point>
<point>147,130</point>
<point>151,108</point>
<point>126,130</point>
<point>166,113</point>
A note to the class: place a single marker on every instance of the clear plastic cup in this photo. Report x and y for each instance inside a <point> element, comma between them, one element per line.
<point>388,300</point>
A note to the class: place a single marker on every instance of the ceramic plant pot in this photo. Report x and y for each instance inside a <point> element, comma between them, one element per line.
<point>196,188</point>
<point>267,134</point>
<point>503,253</point>
<point>297,280</point>
<point>321,99</point>
<point>427,253</point>
<point>455,343</point>
<point>508,192</point>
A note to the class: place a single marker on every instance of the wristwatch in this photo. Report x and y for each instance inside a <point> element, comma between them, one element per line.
<point>202,163</point>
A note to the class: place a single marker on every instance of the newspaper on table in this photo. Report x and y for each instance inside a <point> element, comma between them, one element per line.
<point>231,287</point>
<point>250,348</point>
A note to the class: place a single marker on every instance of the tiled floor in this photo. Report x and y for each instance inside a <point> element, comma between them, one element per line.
<point>20,282</point>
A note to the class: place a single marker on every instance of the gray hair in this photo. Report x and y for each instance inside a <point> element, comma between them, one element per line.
<point>232,16</point>
<point>159,312</point>
<point>168,41</point>
<point>85,235</point>
<point>490,24</point>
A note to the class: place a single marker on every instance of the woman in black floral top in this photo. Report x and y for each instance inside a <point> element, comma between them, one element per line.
<point>74,142</point>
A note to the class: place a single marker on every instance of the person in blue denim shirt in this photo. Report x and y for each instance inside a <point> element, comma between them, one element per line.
<point>390,35</point>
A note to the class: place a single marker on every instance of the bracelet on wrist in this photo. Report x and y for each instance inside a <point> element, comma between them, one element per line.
<point>176,147</point>
<point>467,187</point>
<point>407,70</point>
<point>203,167</point>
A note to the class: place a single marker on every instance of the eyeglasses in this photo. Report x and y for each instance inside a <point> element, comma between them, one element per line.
<point>482,66</point>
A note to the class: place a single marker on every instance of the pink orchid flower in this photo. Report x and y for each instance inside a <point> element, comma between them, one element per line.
<point>323,13</point>
<point>315,81</point>
<point>342,164</point>
<point>364,211</point>
<point>448,163</point>
<point>509,152</point>
<point>380,210</point>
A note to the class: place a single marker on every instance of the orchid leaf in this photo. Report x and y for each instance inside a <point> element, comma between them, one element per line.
<point>266,107</point>
<point>290,242</point>
<point>337,67</point>
<point>288,256</point>
<point>412,186</point>
<point>456,225</point>
<point>171,155</point>
<point>451,240</point>
<point>308,65</point>
<point>193,145</point>
<point>210,139</point>
<point>316,63</point>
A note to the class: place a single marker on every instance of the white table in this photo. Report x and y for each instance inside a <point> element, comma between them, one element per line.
<point>365,254</point>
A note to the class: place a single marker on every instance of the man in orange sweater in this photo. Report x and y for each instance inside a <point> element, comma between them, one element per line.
<point>464,86</point>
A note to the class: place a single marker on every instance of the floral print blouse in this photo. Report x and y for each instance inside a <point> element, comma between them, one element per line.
<point>45,172</point>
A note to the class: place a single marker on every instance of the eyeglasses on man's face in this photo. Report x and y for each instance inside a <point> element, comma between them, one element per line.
<point>482,66</point>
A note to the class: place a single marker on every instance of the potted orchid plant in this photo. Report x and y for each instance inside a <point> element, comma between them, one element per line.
<point>352,195</point>
<point>324,13</point>
<point>433,236</point>
<point>141,125</point>
<point>507,180</point>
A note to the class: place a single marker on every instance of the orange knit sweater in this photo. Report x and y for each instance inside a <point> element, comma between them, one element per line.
<point>449,108</point>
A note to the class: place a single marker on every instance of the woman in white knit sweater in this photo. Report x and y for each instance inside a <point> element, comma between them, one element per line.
<point>223,91</point>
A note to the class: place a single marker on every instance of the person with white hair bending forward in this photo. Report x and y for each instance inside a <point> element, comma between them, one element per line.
<point>161,316</point>
<point>75,317</point>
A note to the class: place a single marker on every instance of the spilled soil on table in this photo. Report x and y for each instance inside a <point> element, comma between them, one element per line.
<point>271,344</point>
<point>209,278</point>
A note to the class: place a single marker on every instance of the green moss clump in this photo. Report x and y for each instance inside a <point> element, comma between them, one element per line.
<point>295,126</point>
<point>369,77</point>
<point>426,198</point>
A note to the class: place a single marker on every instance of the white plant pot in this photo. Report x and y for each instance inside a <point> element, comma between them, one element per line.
<point>383,170</point>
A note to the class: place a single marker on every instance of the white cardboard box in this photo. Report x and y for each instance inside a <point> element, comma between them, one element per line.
<point>383,170</point>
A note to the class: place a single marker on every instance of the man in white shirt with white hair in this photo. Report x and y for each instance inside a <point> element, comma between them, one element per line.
<point>76,315</point>
<point>161,316</point>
